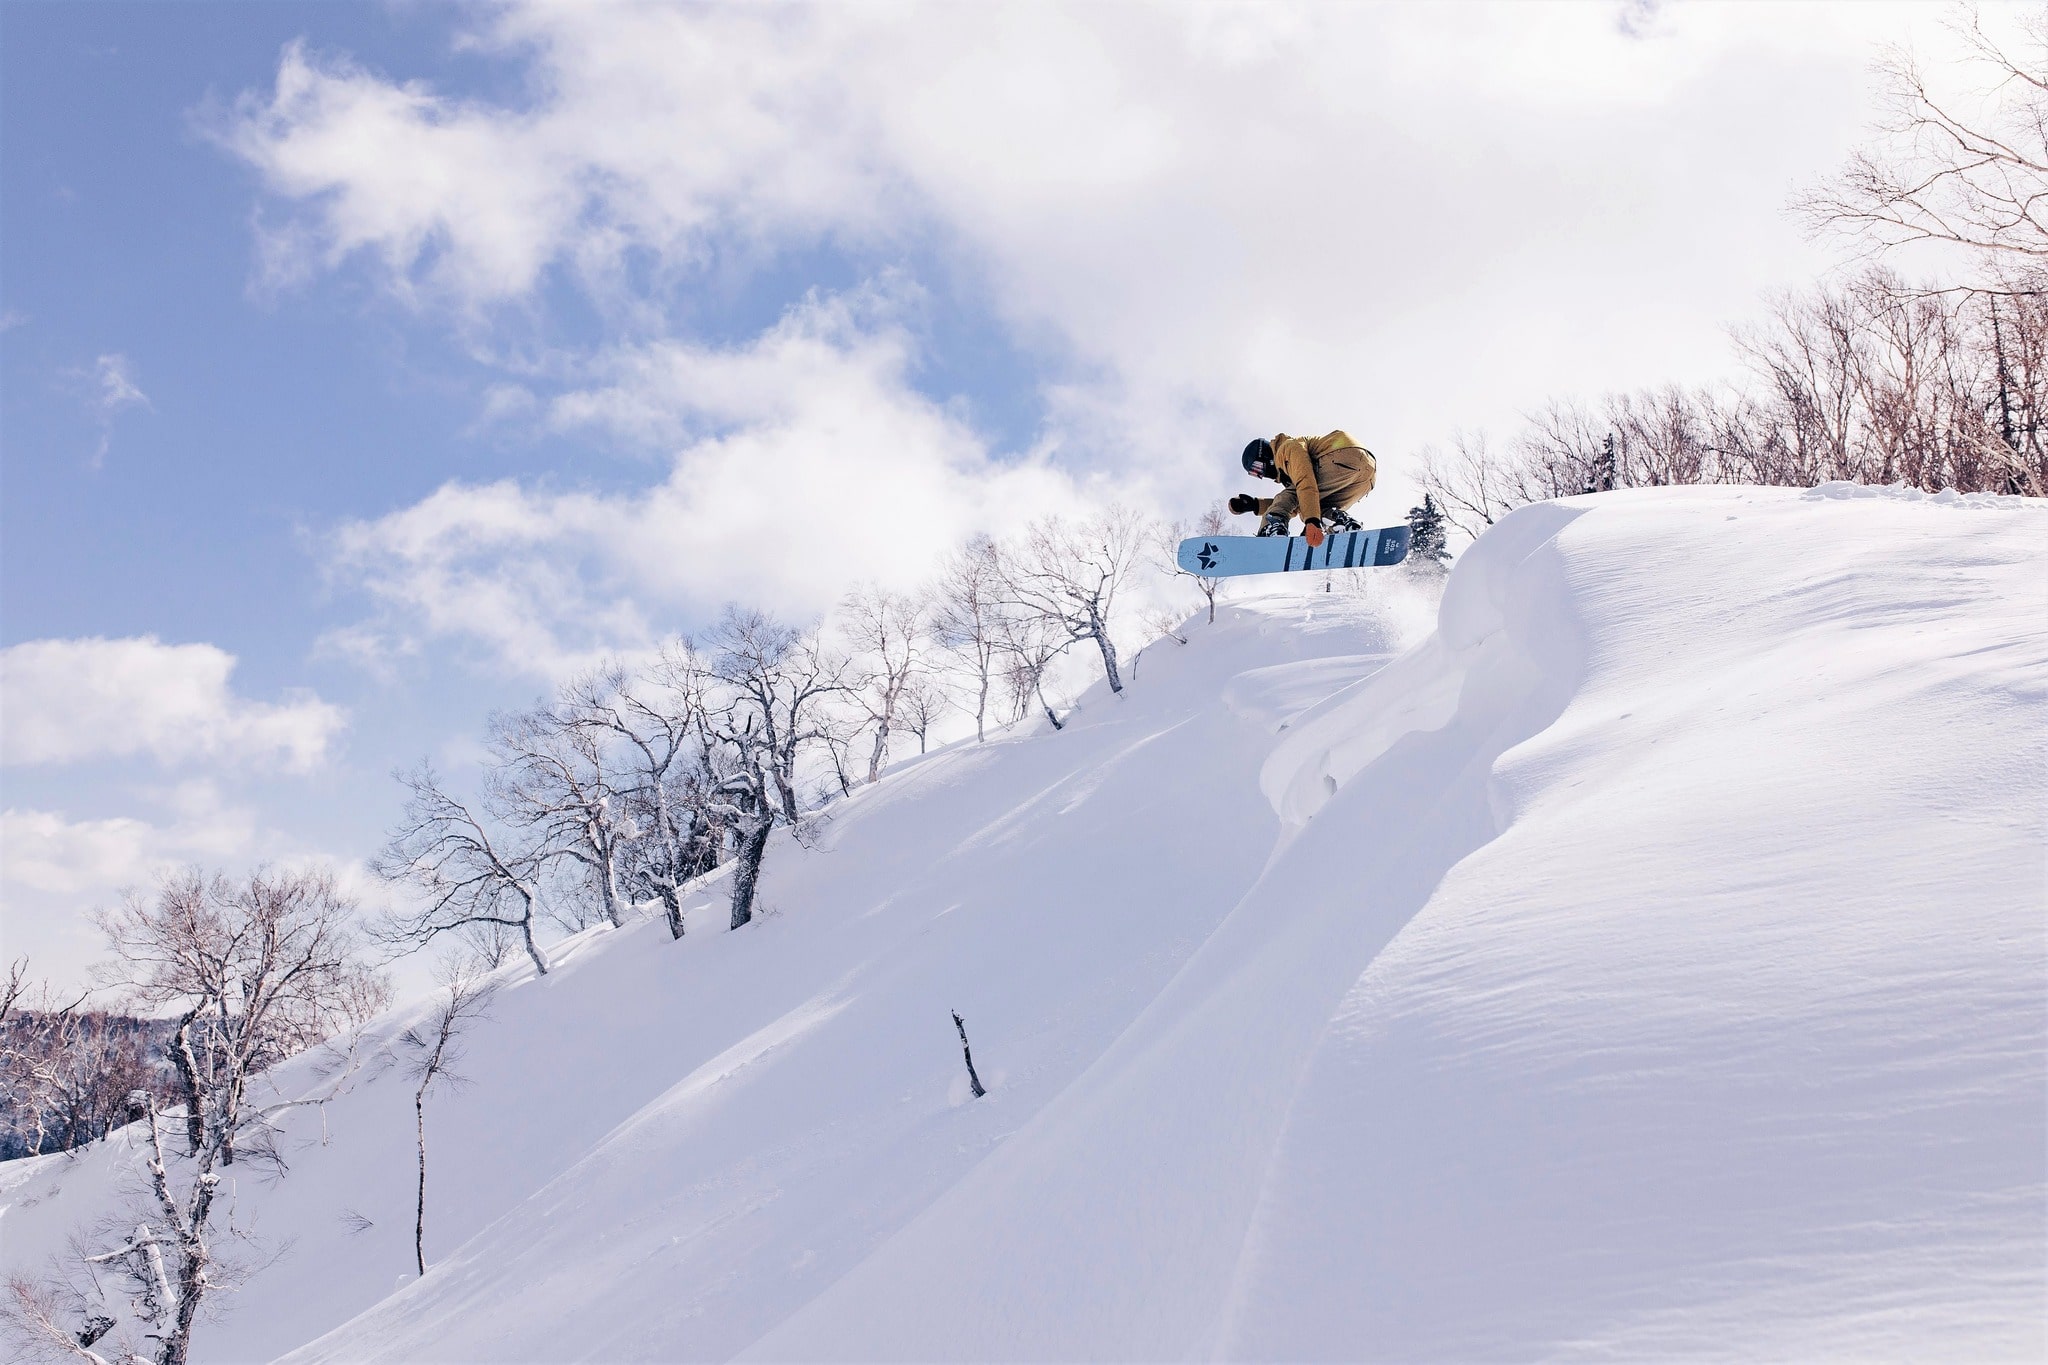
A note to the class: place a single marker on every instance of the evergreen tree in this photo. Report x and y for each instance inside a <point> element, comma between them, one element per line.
<point>1602,476</point>
<point>1426,528</point>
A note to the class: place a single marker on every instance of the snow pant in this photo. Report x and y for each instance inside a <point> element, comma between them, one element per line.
<point>1342,478</point>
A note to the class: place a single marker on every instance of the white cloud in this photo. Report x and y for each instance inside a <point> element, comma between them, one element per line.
<point>117,388</point>
<point>1218,220</point>
<point>54,866</point>
<point>71,700</point>
<point>802,462</point>
<point>47,852</point>
<point>504,404</point>
<point>114,389</point>
<point>483,199</point>
<point>1349,212</point>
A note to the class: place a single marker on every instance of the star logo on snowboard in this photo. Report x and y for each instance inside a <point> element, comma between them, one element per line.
<point>1207,558</point>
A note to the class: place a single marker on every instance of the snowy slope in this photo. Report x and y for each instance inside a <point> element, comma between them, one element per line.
<point>1651,962</point>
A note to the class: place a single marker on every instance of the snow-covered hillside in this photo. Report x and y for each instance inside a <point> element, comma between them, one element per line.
<point>1653,961</point>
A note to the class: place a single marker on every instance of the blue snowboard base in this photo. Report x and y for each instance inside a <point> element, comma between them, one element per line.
<point>1231,556</point>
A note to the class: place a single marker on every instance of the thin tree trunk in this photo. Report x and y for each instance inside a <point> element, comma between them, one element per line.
<point>1038,687</point>
<point>672,907</point>
<point>881,748</point>
<point>419,1219</point>
<point>785,790</point>
<point>188,1076</point>
<point>232,1108</point>
<point>193,1259</point>
<point>540,962</point>
<point>1116,682</point>
<point>747,876</point>
<point>973,1080</point>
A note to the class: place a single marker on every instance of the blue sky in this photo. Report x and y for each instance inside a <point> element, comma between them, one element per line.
<point>367,367</point>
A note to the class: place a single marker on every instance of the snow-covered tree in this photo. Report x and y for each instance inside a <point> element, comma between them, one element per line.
<point>646,732</point>
<point>664,715</point>
<point>255,971</point>
<point>785,681</point>
<point>783,696</point>
<point>67,1073</point>
<point>557,781</point>
<point>742,792</point>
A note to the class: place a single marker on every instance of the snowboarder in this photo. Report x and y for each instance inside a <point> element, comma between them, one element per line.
<point>1321,476</point>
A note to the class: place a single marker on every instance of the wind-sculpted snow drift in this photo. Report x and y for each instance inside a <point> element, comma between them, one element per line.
<point>1650,962</point>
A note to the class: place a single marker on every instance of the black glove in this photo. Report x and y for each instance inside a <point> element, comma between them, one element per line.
<point>1312,531</point>
<point>1243,503</point>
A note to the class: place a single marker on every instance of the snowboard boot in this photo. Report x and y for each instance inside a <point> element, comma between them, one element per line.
<point>1338,521</point>
<point>1273,525</point>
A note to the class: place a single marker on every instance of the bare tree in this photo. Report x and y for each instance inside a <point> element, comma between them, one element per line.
<point>16,987</point>
<point>68,1074</point>
<point>1877,382</point>
<point>888,632</point>
<point>556,781</point>
<point>1975,178</point>
<point>923,703</point>
<point>1162,623</point>
<point>36,1054</point>
<point>652,729</point>
<point>49,1320</point>
<point>468,874</point>
<point>783,680</point>
<point>1472,481</point>
<point>968,621</point>
<point>256,971</point>
<point>1211,523</point>
<point>1069,575</point>
<point>837,742</point>
<point>742,791</point>
<point>1029,646</point>
<point>1866,379</point>
<point>435,1045</point>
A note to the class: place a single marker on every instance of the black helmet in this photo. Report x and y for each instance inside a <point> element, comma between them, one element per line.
<point>1257,453</point>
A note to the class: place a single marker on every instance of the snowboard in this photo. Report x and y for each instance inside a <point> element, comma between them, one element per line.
<point>1230,556</point>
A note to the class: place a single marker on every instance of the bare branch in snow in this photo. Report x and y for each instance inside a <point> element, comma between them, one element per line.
<point>973,1080</point>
